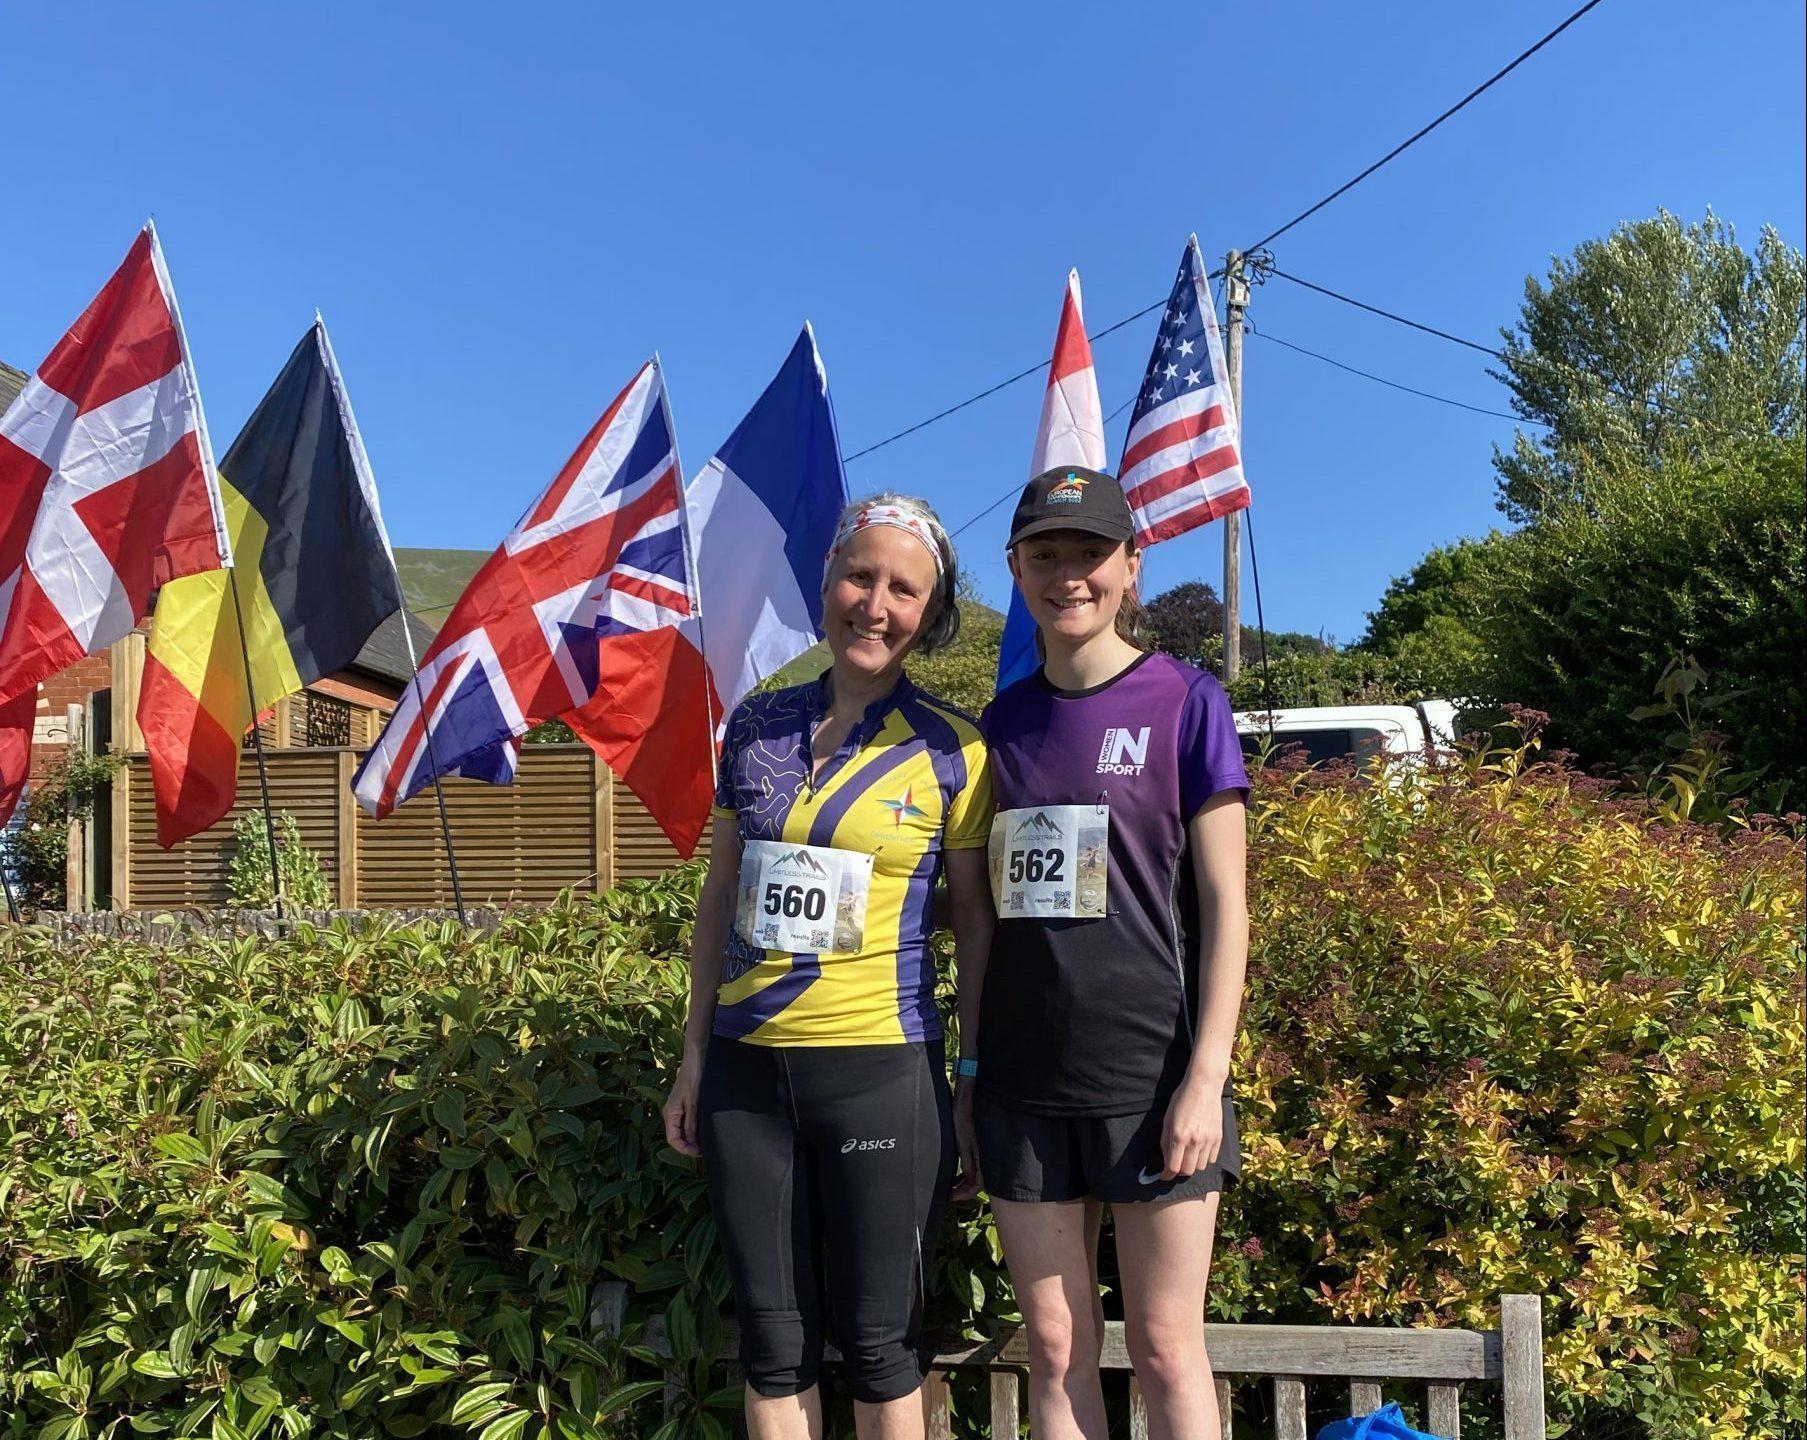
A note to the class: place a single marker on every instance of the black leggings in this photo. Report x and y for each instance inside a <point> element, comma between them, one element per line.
<point>828,1170</point>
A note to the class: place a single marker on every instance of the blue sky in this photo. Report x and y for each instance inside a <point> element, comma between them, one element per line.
<point>501,211</point>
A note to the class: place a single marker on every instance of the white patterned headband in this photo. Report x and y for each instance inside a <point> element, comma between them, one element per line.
<point>867,516</point>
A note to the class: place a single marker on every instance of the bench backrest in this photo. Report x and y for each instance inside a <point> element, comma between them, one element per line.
<point>1364,1357</point>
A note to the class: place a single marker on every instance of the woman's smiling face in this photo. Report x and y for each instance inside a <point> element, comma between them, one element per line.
<point>877,602</point>
<point>1074,582</point>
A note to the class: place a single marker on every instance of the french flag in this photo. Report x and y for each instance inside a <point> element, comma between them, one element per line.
<point>762,513</point>
<point>1071,432</point>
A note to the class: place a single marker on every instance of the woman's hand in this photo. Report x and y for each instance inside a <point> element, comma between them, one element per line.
<point>967,1181</point>
<point>680,1114</point>
<point>1192,1133</point>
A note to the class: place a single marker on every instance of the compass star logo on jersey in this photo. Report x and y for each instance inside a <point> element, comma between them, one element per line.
<point>1124,752</point>
<point>904,808</point>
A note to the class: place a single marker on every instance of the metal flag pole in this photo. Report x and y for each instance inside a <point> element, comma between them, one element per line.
<point>257,740</point>
<point>12,900</point>
<point>696,577</point>
<point>360,461</point>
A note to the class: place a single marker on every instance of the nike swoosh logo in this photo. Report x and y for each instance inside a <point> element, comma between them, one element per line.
<point>1148,1179</point>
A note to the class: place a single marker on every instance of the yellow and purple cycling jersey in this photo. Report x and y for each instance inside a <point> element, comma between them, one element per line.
<point>910,781</point>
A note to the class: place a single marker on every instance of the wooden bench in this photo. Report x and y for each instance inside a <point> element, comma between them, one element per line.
<point>1362,1357</point>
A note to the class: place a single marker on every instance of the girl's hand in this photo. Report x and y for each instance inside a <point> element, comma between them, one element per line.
<point>1192,1133</point>
<point>967,1182</point>
<point>680,1114</point>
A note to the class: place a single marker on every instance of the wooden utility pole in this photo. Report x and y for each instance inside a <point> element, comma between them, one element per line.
<point>1236,301</point>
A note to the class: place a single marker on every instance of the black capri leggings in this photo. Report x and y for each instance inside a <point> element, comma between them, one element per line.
<point>828,1171</point>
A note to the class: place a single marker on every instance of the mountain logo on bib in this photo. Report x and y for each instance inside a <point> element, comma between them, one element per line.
<point>1037,827</point>
<point>799,860</point>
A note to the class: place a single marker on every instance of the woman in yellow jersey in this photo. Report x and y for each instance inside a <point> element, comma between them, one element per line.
<point>813,1083</point>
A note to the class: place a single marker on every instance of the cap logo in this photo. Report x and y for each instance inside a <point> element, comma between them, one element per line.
<point>1069,491</point>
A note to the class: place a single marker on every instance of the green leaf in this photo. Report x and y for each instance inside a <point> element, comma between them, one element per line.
<point>479,1400</point>
<point>506,1427</point>
<point>632,1394</point>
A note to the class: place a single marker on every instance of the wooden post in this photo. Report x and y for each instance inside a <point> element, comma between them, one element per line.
<point>1289,1408</point>
<point>122,833</point>
<point>1006,1412</point>
<point>1521,1355</point>
<point>348,830</point>
<point>602,842</point>
<point>1236,300</point>
<point>75,846</point>
<point>938,1413</point>
<point>1224,1402</point>
<point>1444,1413</point>
<point>1364,1397</point>
<point>126,661</point>
<point>1138,1409</point>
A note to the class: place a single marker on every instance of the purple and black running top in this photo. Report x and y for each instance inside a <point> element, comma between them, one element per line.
<point>1095,1017</point>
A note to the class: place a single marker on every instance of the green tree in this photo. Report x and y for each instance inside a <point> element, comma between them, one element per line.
<point>1591,605</point>
<point>1186,621</point>
<point>966,673</point>
<point>1660,344</point>
<point>1427,619</point>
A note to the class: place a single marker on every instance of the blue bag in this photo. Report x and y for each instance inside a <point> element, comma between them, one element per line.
<point>1386,1423</point>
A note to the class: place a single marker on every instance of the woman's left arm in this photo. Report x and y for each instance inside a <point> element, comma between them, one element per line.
<point>1218,839</point>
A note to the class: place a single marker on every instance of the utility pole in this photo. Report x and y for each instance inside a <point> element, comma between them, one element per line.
<point>1236,301</point>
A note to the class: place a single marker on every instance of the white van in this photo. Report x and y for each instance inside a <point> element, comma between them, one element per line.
<point>1358,732</point>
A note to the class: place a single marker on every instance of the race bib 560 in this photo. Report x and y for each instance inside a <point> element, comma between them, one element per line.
<point>804,899</point>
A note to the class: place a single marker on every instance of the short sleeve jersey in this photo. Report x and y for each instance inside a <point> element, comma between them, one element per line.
<point>1095,1016</point>
<point>910,781</point>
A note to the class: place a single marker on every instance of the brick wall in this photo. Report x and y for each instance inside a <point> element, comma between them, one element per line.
<point>50,736</point>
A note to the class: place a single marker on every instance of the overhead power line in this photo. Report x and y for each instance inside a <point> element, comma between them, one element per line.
<point>1387,314</point>
<point>1393,384</point>
<point>1302,216</point>
<point>1416,136</point>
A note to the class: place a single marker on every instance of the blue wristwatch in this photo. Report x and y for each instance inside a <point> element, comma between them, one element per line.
<point>967,1067</point>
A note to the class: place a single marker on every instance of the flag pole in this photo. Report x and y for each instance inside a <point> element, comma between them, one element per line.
<point>360,459</point>
<point>257,740</point>
<point>12,900</point>
<point>696,578</point>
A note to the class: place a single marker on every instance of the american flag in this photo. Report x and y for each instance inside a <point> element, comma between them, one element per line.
<point>605,551</point>
<point>1182,463</point>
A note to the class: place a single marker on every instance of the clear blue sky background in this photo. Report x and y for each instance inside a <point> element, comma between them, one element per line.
<point>502,210</point>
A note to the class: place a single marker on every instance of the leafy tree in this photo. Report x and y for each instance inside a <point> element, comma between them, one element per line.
<point>1426,621</point>
<point>966,673</point>
<point>1661,343</point>
<point>1185,621</point>
<point>304,883</point>
<point>1592,604</point>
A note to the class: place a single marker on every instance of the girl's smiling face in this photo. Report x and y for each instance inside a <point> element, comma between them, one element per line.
<point>1074,582</point>
<point>877,599</point>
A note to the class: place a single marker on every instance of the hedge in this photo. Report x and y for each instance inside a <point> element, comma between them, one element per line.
<point>1504,1033</point>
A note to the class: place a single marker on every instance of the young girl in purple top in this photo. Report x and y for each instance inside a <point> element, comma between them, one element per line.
<point>1110,998</point>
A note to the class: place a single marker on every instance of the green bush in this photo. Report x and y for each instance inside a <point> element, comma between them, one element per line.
<point>1503,1033</point>
<point>1587,608</point>
<point>304,884</point>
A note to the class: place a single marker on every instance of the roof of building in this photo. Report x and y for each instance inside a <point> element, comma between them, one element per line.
<point>11,383</point>
<point>385,653</point>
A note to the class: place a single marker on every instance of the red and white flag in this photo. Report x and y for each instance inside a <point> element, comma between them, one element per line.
<point>1071,432</point>
<point>107,484</point>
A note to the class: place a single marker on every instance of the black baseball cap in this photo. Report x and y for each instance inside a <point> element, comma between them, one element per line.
<point>1072,498</point>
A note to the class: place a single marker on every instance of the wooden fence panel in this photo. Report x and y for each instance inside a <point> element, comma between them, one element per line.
<point>302,782</point>
<point>519,842</point>
<point>564,821</point>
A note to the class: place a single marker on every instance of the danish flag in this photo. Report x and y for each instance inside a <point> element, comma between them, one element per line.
<point>107,485</point>
<point>602,556</point>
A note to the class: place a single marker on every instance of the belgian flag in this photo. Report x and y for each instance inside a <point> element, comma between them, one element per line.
<point>314,575</point>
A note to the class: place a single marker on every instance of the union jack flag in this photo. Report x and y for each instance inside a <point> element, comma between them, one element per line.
<point>1182,463</point>
<point>604,552</point>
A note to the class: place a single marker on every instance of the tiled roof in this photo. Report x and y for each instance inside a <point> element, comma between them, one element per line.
<point>11,383</point>
<point>385,653</point>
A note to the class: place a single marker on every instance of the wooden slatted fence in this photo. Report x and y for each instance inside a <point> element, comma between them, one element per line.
<point>564,821</point>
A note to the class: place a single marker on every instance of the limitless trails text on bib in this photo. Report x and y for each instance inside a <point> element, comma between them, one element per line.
<point>802,898</point>
<point>1051,861</point>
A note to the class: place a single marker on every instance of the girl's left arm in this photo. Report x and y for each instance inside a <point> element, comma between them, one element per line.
<point>972,919</point>
<point>1218,838</point>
